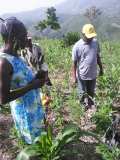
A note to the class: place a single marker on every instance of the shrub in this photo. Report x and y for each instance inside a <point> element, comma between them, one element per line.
<point>70,38</point>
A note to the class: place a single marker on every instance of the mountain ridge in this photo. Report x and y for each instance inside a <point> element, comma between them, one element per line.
<point>71,16</point>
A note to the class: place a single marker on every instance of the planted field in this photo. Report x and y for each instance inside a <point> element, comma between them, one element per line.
<point>70,127</point>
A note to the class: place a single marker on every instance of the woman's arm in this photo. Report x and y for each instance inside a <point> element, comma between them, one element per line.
<point>5,81</point>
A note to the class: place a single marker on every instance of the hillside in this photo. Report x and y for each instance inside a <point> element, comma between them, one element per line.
<point>29,17</point>
<point>79,6</point>
<point>71,17</point>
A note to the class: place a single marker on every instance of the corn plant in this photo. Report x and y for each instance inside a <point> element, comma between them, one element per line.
<point>75,109</point>
<point>46,147</point>
<point>102,118</point>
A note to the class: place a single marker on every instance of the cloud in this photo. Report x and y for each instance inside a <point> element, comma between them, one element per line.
<point>8,6</point>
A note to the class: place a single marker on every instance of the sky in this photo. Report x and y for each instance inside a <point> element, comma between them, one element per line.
<point>10,6</point>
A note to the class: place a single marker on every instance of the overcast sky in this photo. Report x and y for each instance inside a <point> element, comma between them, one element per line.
<point>8,6</point>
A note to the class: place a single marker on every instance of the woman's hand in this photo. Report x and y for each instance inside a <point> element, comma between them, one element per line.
<point>37,83</point>
<point>41,75</point>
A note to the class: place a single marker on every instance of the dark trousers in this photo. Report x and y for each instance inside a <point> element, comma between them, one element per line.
<point>86,87</point>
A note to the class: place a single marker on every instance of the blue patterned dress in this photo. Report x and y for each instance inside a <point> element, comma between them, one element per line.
<point>27,110</point>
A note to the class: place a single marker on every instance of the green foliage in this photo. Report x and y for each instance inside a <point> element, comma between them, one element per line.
<point>52,20</point>
<point>57,57</point>
<point>57,105</point>
<point>57,98</point>
<point>48,148</point>
<point>75,109</point>
<point>70,38</point>
<point>102,118</point>
<point>5,109</point>
<point>15,135</point>
<point>107,153</point>
<point>41,25</point>
<point>108,89</point>
<point>109,83</point>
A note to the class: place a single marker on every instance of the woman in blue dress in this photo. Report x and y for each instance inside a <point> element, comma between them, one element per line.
<point>18,84</point>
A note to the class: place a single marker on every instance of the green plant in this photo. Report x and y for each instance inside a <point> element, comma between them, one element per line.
<point>107,153</point>
<point>48,148</point>
<point>5,109</point>
<point>102,118</point>
<point>51,20</point>
<point>19,141</point>
<point>76,111</point>
<point>70,38</point>
<point>56,95</point>
<point>59,60</point>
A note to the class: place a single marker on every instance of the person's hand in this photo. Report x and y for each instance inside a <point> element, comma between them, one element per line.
<point>42,75</point>
<point>101,73</point>
<point>48,82</point>
<point>37,83</point>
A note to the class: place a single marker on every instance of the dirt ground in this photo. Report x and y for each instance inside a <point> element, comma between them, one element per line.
<point>7,147</point>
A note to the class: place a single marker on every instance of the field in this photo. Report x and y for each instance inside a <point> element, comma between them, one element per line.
<point>65,110</point>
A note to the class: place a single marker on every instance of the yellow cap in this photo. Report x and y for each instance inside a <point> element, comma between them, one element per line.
<point>89,31</point>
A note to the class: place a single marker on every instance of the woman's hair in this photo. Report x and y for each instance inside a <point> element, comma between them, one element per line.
<point>12,30</point>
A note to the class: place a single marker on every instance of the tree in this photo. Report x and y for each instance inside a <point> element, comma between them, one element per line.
<point>41,25</point>
<point>92,13</point>
<point>51,20</point>
<point>94,16</point>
